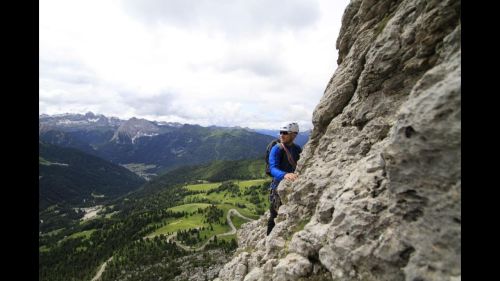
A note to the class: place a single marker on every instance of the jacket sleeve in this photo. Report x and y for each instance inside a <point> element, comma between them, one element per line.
<point>274,162</point>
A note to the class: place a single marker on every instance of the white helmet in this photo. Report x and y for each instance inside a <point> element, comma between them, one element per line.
<point>290,127</point>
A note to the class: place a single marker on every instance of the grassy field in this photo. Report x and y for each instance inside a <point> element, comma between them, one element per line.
<point>225,200</point>
<point>218,229</point>
<point>209,186</point>
<point>194,221</point>
<point>245,184</point>
<point>237,221</point>
<point>202,186</point>
<point>179,224</point>
<point>227,238</point>
<point>189,208</point>
<point>85,234</point>
<point>235,201</point>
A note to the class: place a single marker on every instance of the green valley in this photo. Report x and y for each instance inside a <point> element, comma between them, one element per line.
<point>247,198</point>
<point>68,176</point>
<point>150,233</point>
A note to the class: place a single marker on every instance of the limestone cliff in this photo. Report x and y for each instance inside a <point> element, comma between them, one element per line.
<point>379,193</point>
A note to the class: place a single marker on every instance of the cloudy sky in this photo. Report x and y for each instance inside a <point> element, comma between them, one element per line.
<point>250,63</point>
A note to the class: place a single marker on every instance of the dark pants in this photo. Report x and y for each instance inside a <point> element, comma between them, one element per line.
<point>275,202</point>
<point>270,223</point>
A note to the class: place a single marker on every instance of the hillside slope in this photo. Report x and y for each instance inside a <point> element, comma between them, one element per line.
<point>379,189</point>
<point>67,175</point>
<point>216,171</point>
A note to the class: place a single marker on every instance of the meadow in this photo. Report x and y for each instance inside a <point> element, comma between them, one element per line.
<point>248,197</point>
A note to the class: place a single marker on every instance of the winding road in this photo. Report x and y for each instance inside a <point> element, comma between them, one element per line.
<point>188,248</point>
<point>231,232</point>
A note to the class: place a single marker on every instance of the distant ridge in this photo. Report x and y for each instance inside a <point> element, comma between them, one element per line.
<point>159,146</point>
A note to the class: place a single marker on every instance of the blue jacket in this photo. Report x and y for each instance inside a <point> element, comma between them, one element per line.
<point>278,162</point>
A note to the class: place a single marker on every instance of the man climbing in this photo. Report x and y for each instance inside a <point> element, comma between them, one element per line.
<point>283,158</point>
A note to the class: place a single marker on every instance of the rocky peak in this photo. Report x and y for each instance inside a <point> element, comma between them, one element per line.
<point>90,114</point>
<point>379,189</point>
<point>75,122</point>
<point>134,128</point>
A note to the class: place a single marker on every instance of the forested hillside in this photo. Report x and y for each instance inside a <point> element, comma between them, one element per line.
<point>136,229</point>
<point>69,176</point>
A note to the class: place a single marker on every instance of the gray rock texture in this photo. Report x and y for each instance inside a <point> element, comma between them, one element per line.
<point>379,189</point>
<point>193,268</point>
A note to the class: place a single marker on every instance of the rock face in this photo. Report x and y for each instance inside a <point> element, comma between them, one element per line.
<point>379,189</point>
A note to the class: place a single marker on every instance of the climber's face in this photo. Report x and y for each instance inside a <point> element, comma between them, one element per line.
<point>287,137</point>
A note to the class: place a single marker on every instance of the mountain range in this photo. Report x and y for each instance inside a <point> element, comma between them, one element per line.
<point>91,157</point>
<point>150,146</point>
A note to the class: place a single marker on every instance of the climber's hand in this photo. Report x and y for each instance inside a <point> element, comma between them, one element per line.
<point>291,176</point>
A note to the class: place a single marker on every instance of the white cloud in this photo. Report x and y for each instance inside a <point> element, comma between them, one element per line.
<point>233,17</point>
<point>250,63</point>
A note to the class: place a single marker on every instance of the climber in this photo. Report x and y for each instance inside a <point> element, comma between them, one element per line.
<point>283,157</point>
